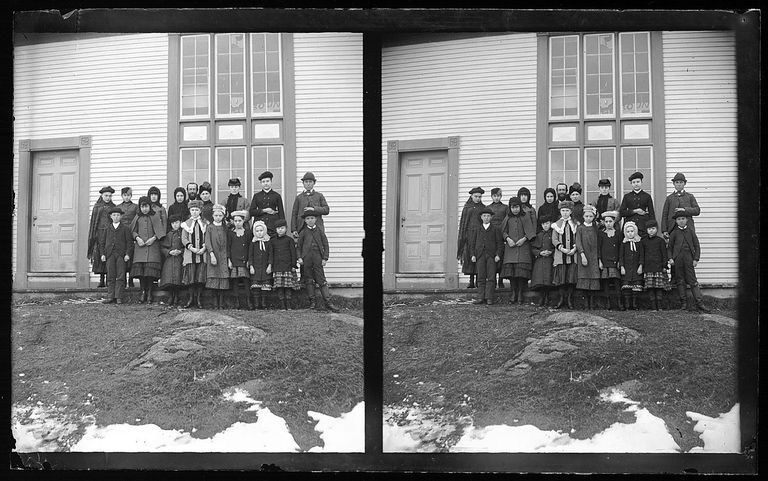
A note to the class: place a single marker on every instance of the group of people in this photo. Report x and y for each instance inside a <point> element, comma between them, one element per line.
<point>197,244</point>
<point>606,246</point>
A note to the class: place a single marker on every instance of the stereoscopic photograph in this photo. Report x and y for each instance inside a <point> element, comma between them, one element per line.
<point>186,242</point>
<point>561,252</point>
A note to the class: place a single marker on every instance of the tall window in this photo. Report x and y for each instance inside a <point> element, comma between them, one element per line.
<point>231,110</point>
<point>589,136</point>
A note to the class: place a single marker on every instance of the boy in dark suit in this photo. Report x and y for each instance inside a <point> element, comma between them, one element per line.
<point>313,255</point>
<point>116,246</point>
<point>684,252</point>
<point>486,247</point>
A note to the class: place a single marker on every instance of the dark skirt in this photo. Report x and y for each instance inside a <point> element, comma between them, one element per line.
<point>287,279</point>
<point>99,267</point>
<point>565,274</point>
<point>194,274</point>
<point>467,266</point>
<point>610,273</point>
<point>520,269</point>
<point>218,283</point>
<point>145,269</point>
<point>657,280</point>
<point>588,284</point>
<point>172,272</point>
<point>238,272</point>
<point>542,273</point>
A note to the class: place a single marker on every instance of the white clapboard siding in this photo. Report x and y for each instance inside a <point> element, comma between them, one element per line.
<point>113,88</point>
<point>700,98</point>
<point>481,89</point>
<point>329,140</point>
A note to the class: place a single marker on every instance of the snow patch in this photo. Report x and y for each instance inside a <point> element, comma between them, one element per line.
<point>344,434</point>
<point>720,435</point>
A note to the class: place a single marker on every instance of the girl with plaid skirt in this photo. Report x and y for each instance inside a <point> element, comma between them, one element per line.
<point>195,258</point>
<point>565,270</point>
<point>282,258</point>
<point>631,265</point>
<point>258,263</point>
<point>217,269</point>
<point>239,240</point>
<point>655,263</point>
<point>608,242</point>
<point>147,228</point>
<point>586,245</point>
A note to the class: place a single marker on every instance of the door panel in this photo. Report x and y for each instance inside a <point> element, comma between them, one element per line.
<point>53,236</point>
<point>422,217</point>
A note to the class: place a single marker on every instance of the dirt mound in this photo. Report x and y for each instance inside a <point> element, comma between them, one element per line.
<point>571,330</point>
<point>200,330</point>
<point>726,321</point>
<point>348,319</point>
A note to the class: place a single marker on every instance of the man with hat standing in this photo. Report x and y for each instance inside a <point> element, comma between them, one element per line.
<point>486,247</point>
<point>637,205</point>
<point>99,222</point>
<point>309,200</point>
<point>267,205</point>
<point>678,201</point>
<point>468,222</point>
<point>116,247</point>
<point>236,202</point>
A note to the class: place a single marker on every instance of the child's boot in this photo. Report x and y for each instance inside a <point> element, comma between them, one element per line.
<point>561,301</point>
<point>198,297</point>
<point>101,280</point>
<point>249,301</point>
<point>149,292</point>
<point>634,301</point>
<point>471,281</point>
<point>512,290</point>
<point>589,301</point>
<point>288,300</point>
<point>311,294</point>
<point>191,299</point>
<point>501,282</point>
<point>543,298</point>
<point>520,285</point>
<point>569,299</point>
<point>626,303</point>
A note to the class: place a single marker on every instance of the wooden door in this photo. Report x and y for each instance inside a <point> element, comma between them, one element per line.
<point>422,239</point>
<point>55,191</point>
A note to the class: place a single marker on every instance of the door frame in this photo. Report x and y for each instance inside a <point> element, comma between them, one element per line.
<point>394,148</point>
<point>27,148</point>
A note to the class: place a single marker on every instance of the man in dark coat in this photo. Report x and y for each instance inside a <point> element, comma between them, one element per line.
<point>637,205</point>
<point>309,200</point>
<point>116,248</point>
<point>678,201</point>
<point>486,247</point>
<point>267,205</point>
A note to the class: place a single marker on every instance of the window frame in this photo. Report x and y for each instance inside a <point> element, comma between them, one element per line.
<point>181,79</point>
<point>578,80</point>
<point>646,175</point>
<point>620,113</point>
<point>266,115</point>
<point>583,98</point>
<point>215,167</point>
<point>255,174</point>
<point>564,149</point>
<point>181,166</point>
<point>216,114</point>
<point>585,185</point>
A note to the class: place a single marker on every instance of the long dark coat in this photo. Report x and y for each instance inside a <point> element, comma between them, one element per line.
<point>516,227</point>
<point>99,221</point>
<point>180,209</point>
<point>630,260</point>
<point>146,226</point>
<point>259,260</point>
<point>586,243</point>
<point>282,254</point>
<point>608,248</point>
<point>541,276</point>
<point>172,266</point>
<point>238,247</point>
<point>262,200</point>
<point>216,243</point>
<point>637,200</point>
<point>469,221</point>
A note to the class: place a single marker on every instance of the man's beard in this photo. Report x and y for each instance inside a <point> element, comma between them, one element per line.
<point>192,195</point>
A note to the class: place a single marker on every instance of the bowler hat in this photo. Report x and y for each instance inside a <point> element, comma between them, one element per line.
<point>234,181</point>
<point>309,176</point>
<point>679,176</point>
<point>266,174</point>
<point>107,189</point>
<point>477,190</point>
<point>636,175</point>
<point>604,182</point>
<point>115,210</point>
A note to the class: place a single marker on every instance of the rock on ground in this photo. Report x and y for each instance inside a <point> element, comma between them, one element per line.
<point>569,331</point>
<point>199,330</point>
<point>727,321</point>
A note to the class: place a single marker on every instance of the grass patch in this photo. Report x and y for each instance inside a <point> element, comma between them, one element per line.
<point>681,362</point>
<point>306,362</point>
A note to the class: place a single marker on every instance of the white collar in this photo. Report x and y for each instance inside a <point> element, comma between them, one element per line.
<point>559,226</point>
<point>309,192</point>
<point>486,226</point>
<point>116,225</point>
<point>189,225</point>
<point>266,191</point>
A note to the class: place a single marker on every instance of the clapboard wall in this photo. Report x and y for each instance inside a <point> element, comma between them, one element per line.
<point>482,89</point>
<point>113,88</point>
<point>701,140</point>
<point>329,140</point>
